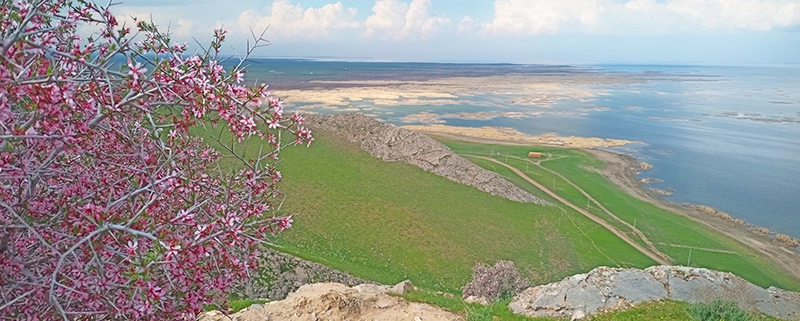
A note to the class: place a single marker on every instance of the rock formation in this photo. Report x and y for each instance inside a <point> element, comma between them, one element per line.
<point>607,289</point>
<point>281,273</point>
<point>337,302</point>
<point>390,143</point>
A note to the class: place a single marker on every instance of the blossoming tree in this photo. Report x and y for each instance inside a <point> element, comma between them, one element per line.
<point>109,209</point>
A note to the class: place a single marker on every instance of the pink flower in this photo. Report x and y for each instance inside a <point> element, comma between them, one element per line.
<point>273,123</point>
<point>136,71</point>
<point>172,251</point>
<point>285,222</point>
<point>131,247</point>
<point>297,118</point>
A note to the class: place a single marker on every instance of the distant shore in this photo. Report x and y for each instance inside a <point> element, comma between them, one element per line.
<point>622,171</point>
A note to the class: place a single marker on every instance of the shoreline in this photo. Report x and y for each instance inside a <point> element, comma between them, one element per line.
<point>621,170</point>
<point>507,134</point>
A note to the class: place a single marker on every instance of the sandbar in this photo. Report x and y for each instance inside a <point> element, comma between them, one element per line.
<point>511,134</point>
<point>517,89</point>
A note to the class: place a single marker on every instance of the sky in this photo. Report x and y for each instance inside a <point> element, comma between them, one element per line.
<point>725,32</point>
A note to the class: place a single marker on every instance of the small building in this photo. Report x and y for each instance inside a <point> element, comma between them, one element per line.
<point>535,155</point>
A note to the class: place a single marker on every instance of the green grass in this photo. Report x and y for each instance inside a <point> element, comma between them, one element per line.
<point>664,310</point>
<point>392,221</point>
<point>472,311</point>
<point>388,222</point>
<point>239,304</point>
<point>659,225</point>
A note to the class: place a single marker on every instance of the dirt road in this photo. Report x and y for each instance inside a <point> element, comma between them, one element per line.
<point>638,233</point>
<point>603,223</point>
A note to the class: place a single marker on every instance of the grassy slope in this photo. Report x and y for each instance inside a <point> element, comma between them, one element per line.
<point>392,221</point>
<point>431,230</point>
<point>659,225</point>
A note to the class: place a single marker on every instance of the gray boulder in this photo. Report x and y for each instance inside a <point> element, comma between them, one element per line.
<point>606,289</point>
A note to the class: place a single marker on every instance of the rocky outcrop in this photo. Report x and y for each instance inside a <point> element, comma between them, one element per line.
<point>606,289</point>
<point>280,274</point>
<point>390,143</point>
<point>782,239</point>
<point>337,302</point>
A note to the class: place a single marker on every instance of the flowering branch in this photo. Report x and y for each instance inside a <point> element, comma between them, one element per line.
<point>109,209</point>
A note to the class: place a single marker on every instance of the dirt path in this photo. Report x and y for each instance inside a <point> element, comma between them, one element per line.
<point>621,171</point>
<point>636,231</point>
<point>603,223</point>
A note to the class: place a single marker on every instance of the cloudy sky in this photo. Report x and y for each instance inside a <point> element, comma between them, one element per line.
<point>519,31</point>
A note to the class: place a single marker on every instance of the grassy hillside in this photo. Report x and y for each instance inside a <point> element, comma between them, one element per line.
<point>392,221</point>
<point>671,233</point>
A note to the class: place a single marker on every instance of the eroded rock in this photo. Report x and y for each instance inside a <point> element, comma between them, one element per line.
<point>477,299</point>
<point>605,289</point>
<point>337,302</point>
<point>390,143</point>
<point>402,288</point>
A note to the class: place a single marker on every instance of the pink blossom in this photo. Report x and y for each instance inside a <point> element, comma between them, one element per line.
<point>136,71</point>
<point>127,222</point>
<point>273,123</point>
<point>285,222</point>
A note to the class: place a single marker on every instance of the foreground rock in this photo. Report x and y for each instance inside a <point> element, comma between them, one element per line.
<point>337,302</point>
<point>390,143</point>
<point>606,289</point>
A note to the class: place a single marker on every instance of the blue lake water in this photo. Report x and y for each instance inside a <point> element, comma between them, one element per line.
<point>727,137</point>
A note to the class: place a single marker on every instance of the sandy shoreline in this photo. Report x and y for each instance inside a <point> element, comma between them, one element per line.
<point>506,134</point>
<point>540,90</point>
<point>622,169</point>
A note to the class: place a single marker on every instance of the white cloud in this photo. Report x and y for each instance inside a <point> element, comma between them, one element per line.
<point>521,17</point>
<point>757,15</point>
<point>181,28</point>
<point>538,17</point>
<point>467,25</point>
<point>288,21</point>
<point>401,20</point>
<point>184,28</point>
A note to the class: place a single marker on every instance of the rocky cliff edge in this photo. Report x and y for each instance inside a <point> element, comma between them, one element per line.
<point>390,143</point>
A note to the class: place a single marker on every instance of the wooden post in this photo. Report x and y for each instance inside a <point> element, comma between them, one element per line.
<point>690,258</point>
